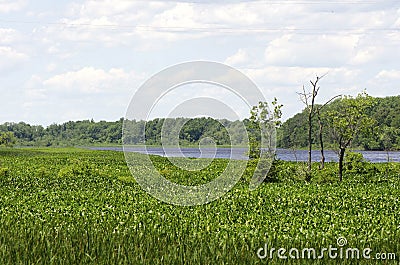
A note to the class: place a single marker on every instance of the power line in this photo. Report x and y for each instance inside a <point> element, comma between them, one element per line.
<point>216,29</point>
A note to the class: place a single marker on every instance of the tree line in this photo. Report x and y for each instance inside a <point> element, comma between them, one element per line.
<point>71,133</point>
<point>88,132</point>
<point>384,134</point>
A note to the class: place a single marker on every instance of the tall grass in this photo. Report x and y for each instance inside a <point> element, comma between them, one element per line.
<point>84,207</point>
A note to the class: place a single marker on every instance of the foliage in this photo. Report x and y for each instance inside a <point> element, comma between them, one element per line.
<point>354,163</point>
<point>386,112</point>
<point>106,218</point>
<point>7,139</point>
<point>291,134</point>
<point>388,137</point>
<point>89,132</point>
<point>75,168</point>
<point>262,125</point>
<point>348,119</point>
<point>4,172</point>
<point>72,133</point>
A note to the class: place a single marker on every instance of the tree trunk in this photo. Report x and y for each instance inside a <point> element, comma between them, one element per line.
<point>321,143</point>
<point>309,141</point>
<point>341,158</point>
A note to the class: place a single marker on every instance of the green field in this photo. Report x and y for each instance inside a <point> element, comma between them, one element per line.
<point>73,206</point>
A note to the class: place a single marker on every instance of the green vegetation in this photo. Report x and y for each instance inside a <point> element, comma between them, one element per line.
<point>89,132</point>
<point>384,135</point>
<point>72,133</point>
<point>72,206</point>
<point>262,124</point>
<point>7,139</point>
<point>346,118</point>
<point>293,133</point>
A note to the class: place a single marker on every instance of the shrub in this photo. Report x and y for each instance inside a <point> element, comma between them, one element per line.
<point>4,172</point>
<point>283,171</point>
<point>42,172</point>
<point>355,164</point>
<point>76,168</point>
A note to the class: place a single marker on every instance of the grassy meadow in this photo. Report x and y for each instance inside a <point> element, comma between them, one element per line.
<point>75,206</point>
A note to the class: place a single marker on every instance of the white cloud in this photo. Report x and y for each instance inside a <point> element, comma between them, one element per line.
<point>82,94</point>
<point>388,75</point>
<point>10,49</point>
<point>278,76</point>
<point>240,57</point>
<point>92,80</point>
<point>113,22</point>
<point>365,55</point>
<point>279,44</point>
<point>310,51</point>
<point>51,67</point>
<point>8,6</point>
<point>108,22</point>
<point>102,8</point>
<point>397,23</point>
<point>10,57</point>
<point>385,83</point>
<point>8,36</point>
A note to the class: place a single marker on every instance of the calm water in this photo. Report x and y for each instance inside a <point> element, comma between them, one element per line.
<point>239,153</point>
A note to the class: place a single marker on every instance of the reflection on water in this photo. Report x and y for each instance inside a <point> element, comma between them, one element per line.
<point>239,153</point>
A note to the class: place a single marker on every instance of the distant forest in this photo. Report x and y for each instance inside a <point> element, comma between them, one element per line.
<point>385,112</point>
<point>292,133</point>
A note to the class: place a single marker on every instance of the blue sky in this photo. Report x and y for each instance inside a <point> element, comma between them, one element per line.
<point>74,60</point>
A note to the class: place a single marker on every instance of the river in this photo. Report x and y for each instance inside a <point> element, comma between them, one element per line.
<point>239,153</point>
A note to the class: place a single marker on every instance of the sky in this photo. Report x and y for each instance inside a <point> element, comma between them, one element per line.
<point>78,60</point>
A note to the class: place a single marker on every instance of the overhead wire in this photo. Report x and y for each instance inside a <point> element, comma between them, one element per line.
<point>227,29</point>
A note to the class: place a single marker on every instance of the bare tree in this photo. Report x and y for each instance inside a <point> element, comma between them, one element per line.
<point>321,140</point>
<point>308,98</point>
<point>320,130</point>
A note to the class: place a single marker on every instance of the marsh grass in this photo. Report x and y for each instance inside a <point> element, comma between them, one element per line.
<point>99,215</point>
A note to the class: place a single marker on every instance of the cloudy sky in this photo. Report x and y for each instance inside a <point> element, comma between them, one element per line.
<point>73,60</point>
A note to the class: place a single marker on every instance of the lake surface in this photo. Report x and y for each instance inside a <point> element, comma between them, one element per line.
<point>239,153</point>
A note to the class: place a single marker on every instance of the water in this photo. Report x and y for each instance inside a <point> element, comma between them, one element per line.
<point>239,153</point>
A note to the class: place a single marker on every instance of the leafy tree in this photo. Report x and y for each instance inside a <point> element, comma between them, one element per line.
<point>386,112</point>
<point>7,139</point>
<point>346,119</point>
<point>388,137</point>
<point>261,118</point>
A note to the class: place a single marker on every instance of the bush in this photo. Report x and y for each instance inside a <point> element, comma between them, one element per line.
<point>76,168</point>
<point>326,175</point>
<point>283,171</point>
<point>43,172</point>
<point>4,172</point>
<point>355,164</point>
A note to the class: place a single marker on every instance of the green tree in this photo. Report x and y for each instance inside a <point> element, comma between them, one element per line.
<point>347,119</point>
<point>7,139</point>
<point>260,117</point>
<point>387,137</point>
